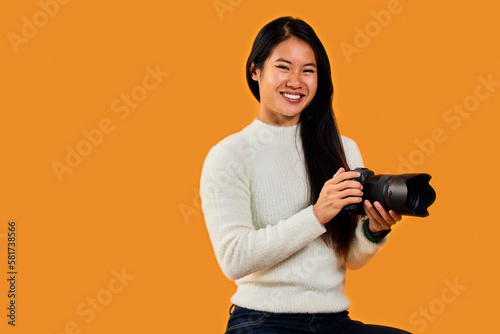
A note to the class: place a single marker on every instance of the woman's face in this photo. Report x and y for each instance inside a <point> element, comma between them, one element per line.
<point>287,82</point>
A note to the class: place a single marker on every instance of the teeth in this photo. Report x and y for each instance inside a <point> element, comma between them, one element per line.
<point>290,96</point>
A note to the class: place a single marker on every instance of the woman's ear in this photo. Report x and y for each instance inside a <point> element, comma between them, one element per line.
<point>255,72</point>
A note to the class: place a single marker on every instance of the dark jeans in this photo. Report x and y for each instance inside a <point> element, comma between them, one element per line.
<point>245,321</point>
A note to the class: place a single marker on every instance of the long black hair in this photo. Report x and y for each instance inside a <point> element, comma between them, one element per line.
<point>322,145</point>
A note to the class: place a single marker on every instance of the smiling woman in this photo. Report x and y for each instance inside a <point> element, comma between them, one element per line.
<point>275,218</point>
<point>288,83</point>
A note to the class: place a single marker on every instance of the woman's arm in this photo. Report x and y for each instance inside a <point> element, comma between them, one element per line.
<point>239,247</point>
<point>362,249</point>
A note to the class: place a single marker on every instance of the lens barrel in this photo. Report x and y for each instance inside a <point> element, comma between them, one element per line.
<point>407,194</point>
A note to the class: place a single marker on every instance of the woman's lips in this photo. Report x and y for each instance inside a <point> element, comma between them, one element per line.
<point>291,97</point>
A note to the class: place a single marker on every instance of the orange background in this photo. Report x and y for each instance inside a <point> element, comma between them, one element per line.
<point>131,206</point>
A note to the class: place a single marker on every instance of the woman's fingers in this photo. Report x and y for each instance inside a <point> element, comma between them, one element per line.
<point>371,212</point>
<point>380,219</point>
<point>337,192</point>
<point>344,179</point>
<point>339,177</point>
<point>396,216</point>
<point>349,185</point>
<point>339,171</point>
<point>350,200</point>
<point>349,192</point>
<point>384,214</point>
<point>374,217</point>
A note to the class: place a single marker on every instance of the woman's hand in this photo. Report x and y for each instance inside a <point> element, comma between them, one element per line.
<point>380,219</point>
<point>336,193</point>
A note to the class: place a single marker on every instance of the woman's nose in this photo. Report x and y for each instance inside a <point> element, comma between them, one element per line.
<point>294,81</point>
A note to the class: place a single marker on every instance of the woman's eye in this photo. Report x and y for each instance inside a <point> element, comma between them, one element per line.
<point>282,67</point>
<point>310,71</point>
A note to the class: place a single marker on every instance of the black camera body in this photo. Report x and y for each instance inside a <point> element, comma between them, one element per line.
<point>407,194</point>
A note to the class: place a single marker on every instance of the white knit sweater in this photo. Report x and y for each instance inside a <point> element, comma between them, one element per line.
<point>255,199</point>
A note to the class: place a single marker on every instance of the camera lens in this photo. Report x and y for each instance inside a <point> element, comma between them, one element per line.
<point>420,194</point>
<point>407,194</point>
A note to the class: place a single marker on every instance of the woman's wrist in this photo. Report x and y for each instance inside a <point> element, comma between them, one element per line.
<point>318,218</point>
<point>374,236</point>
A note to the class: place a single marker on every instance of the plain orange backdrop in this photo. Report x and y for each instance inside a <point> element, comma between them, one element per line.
<point>140,91</point>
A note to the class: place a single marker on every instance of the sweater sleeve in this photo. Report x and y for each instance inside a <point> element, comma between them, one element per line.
<point>241,248</point>
<point>362,249</point>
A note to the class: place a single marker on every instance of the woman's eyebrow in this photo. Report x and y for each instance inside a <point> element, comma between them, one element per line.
<point>289,62</point>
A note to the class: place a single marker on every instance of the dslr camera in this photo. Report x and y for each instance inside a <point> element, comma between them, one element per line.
<point>407,194</point>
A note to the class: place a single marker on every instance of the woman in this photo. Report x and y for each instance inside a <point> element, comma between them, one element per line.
<point>272,195</point>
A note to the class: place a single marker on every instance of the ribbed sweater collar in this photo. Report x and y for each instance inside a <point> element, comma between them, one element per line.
<point>278,135</point>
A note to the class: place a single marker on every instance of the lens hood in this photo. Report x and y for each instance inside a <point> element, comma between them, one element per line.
<point>407,194</point>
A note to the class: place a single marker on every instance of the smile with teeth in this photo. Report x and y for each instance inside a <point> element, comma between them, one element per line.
<point>291,96</point>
